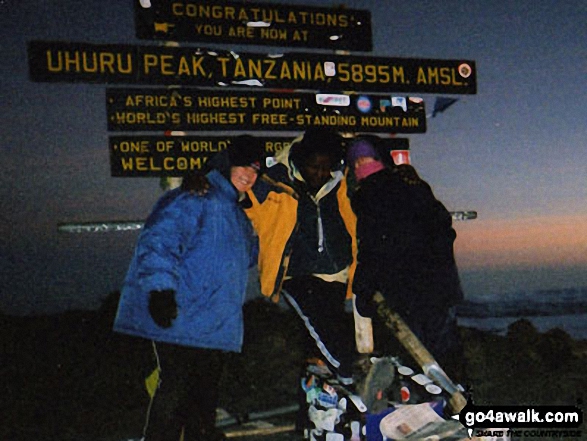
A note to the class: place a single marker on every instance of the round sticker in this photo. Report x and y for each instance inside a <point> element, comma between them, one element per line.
<point>404,370</point>
<point>405,394</point>
<point>433,389</point>
<point>364,104</point>
<point>465,70</point>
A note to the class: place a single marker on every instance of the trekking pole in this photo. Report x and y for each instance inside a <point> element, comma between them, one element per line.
<point>420,354</point>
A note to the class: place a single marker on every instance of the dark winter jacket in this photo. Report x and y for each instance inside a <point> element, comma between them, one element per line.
<point>406,241</point>
<point>321,243</point>
<point>275,213</point>
<point>201,247</point>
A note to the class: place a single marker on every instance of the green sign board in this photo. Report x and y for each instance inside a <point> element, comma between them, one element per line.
<point>254,23</point>
<point>189,109</point>
<point>163,65</point>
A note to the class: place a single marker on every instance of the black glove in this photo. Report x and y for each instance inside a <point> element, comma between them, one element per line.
<point>364,288</point>
<point>162,307</point>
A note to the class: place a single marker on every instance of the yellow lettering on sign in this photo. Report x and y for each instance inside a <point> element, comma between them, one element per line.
<point>226,101</point>
<point>229,12</point>
<point>175,100</point>
<point>239,69</point>
<point>445,76</point>
<point>233,102</point>
<point>260,13</point>
<point>242,15</point>
<point>89,62</point>
<point>300,35</point>
<point>164,146</point>
<point>202,11</point>
<point>132,146</point>
<point>370,73</point>
<point>215,118</point>
<point>208,29</point>
<point>303,120</point>
<point>184,67</point>
<point>241,32</point>
<point>285,72</point>
<point>275,147</point>
<point>270,119</point>
<point>273,34</point>
<point>319,72</point>
<point>410,122</point>
<point>269,65</point>
<point>334,120</point>
<point>202,146</point>
<point>269,15</point>
<point>380,121</point>
<point>167,64</point>
<point>282,103</point>
<point>389,121</point>
<point>272,69</point>
<point>398,75</point>
<point>343,20</point>
<point>319,19</point>
<point>136,118</point>
<point>301,70</point>
<point>167,164</point>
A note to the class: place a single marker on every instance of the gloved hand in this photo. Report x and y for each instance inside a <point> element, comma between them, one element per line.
<point>162,307</point>
<point>196,182</point>
<point>364,288</point>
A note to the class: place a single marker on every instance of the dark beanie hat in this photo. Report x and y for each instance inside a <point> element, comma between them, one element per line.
<point>247,151</point>
<point>323,141</point>
<point>361,148</point>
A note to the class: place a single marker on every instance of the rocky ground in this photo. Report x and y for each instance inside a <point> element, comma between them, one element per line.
<point>68,377</point>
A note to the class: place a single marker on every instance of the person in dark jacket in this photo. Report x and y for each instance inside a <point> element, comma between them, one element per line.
<point>405,251</point>
<point>185,289</point>
<point>302,214</point>
<point>306,229</point>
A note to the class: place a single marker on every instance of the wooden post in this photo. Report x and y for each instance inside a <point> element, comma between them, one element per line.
<point>420,354</point>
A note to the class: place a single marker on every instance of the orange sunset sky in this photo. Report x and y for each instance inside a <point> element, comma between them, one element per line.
<point>533,241</point>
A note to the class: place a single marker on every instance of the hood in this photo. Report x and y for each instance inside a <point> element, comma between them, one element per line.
<point>283,157</point>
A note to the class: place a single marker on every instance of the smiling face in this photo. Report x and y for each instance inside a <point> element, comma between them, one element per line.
<point>243,177</point>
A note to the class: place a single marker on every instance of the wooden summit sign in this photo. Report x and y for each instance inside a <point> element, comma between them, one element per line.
<point>162,65</point>
<point>254,23</point>
<point>148,156</point>
<point>189,109</point>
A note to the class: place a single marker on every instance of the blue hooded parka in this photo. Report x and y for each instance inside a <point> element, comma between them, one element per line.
<point>202,248</point>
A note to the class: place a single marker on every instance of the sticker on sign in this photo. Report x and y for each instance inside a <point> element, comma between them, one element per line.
<point>329,99</point>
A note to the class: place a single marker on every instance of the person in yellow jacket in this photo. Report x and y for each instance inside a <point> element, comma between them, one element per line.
<point>302,214</point>
<point>307,240</point>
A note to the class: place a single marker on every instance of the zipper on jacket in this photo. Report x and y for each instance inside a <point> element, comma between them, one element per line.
<point>320,229</point>
<point>319,225</point>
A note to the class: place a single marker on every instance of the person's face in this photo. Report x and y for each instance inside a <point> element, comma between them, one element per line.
<point>363,160</point>
<point>316,170</point>
<point>243,178</point>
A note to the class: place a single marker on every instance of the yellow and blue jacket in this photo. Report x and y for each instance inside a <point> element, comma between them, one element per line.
<point>274,214</point>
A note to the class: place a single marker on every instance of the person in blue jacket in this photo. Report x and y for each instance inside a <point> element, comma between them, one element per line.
<point>185,289</point>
